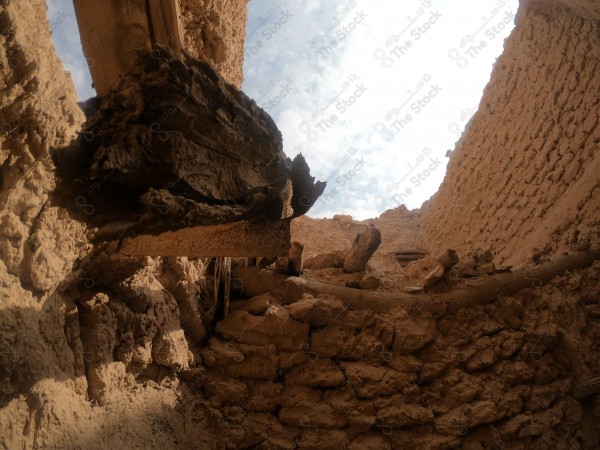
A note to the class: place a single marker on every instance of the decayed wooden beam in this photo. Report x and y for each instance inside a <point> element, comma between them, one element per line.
<point>586,389</point>
<point>164,20</point>
<point>113,31</point>
<point>254,281</point>
<point>237,239</point>
<point>174,146</point>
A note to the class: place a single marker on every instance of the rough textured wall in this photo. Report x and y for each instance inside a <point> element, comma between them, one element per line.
<point>76,331</point>
<point>38,111</point>
<point>505,375</point>
<point>214,31</point>
<point>38,242</point>
<point>523,180</point>
<point>588,9</point>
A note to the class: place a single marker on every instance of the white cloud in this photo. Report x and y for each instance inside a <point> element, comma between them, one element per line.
<point>372,64</point>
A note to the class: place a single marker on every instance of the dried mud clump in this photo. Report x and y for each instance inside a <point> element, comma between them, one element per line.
<point>140,165</point>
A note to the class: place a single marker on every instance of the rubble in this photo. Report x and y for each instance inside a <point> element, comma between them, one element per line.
<point>448,259</point>
<point>335,259</point>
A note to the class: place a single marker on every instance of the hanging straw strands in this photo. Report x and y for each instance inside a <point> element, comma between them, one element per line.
<point>223,269</point>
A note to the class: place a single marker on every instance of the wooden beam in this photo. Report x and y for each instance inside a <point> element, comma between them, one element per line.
<point>254,281</point>
<point>237,239</point>
<point>164,15</point>
<point>112,31</point>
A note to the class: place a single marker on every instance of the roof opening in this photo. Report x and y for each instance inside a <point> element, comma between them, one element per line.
<point>374,94</point>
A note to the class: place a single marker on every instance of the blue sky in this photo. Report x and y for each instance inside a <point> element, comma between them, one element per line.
<point>68,44</point>
<point>373,93</point>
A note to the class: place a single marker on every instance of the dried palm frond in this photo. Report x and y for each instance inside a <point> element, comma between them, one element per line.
<point>223,269</point>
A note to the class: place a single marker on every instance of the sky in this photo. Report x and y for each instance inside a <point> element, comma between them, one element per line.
<point>372,93</point>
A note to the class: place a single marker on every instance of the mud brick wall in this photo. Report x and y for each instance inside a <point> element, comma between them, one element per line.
<point>61,325</point>
<point>56,344</point>
<point>38,242</point>
<point>523,178</point>
<point>314,375</point>
<point>215,31</point>
<point>105,352</point>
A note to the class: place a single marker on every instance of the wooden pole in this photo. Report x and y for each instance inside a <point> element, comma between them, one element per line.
<point>254,281</point>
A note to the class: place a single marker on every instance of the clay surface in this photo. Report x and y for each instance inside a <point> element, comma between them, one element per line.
<point>523,179</point>
<point>103,350</point>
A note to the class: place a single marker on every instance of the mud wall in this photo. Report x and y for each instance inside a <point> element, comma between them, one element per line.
<point>504,375</point>
<point>215,31</point>
<point>38,111</point>
<point>523,179</point>
<point>107,352</point>
<point>81,329</point>
<point>38,242</point>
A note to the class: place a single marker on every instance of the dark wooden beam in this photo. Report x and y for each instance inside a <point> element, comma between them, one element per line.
<point>236,239</point>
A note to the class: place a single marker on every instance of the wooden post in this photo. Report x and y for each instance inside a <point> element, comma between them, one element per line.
<point>113,31</point>
<point>364,246</point>
<point>237,239</point>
